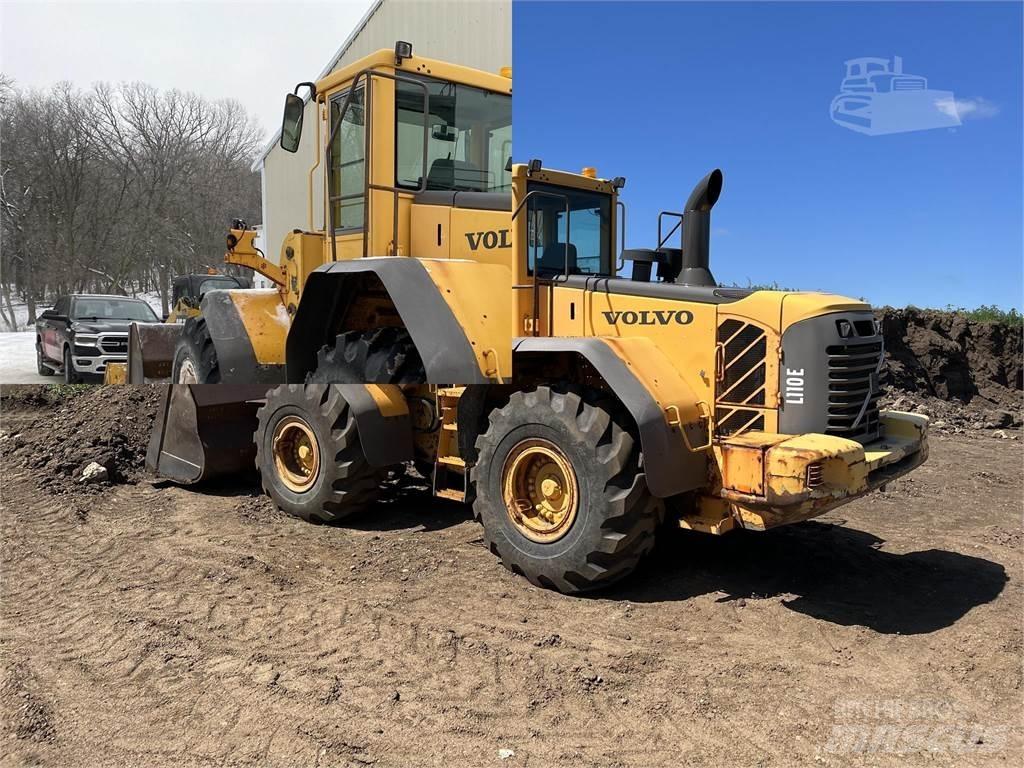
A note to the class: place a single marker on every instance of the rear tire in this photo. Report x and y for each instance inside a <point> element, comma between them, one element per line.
<point>612,524</point>
<point>308,452</point>
<point>70,375</point>
<point>195,357</point>
<point>380,356</point>
<point>41,367</point>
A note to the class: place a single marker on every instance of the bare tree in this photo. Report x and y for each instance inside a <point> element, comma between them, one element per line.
<point>117,189</point>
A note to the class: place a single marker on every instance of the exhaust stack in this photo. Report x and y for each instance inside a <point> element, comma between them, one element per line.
<point>697,231</point>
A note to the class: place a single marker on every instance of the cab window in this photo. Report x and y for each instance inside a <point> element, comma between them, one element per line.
<point>582,237</point>
<point>469,137</point>
<point>347,173</point>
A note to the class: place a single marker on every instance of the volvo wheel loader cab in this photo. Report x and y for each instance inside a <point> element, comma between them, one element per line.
<point>413,155</point>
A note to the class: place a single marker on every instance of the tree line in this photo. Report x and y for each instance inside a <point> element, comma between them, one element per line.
<point>117,189</point>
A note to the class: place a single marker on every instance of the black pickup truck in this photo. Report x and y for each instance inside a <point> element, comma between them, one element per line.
<point>82,333</point>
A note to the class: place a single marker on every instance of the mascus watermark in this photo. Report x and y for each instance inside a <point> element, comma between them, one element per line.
<point>910,726</point>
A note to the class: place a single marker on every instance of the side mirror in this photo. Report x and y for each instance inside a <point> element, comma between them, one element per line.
<point>291,125</point>
<point>47,314</point>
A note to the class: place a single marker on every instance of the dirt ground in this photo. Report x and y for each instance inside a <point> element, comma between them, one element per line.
<point>148,624</point>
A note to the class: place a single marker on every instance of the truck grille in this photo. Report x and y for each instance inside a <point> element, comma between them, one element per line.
<point>856,374</point>
<point>114,345</point>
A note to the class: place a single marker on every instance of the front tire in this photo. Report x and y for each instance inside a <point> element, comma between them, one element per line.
<point>561,492</point>
<point>309,455</point>
<point>380,356</point>
<point>195,357</point>
<point>70,375</point>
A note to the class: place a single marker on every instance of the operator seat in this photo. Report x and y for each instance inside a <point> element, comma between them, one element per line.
<point>552,260</point>
<point>456,174</point>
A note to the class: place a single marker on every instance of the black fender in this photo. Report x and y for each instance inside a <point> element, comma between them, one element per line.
<point>235,355</point>
<point>447,355</point>
<point>386,440</point>
<point>670,466</point>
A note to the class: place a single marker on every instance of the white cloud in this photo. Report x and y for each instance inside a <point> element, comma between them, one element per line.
<point>968,109</point>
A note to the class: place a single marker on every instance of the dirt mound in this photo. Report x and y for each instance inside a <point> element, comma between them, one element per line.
<point>975,367</point>
<point>57,431</point>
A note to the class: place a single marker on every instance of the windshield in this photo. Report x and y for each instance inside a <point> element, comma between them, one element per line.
<point>113,309</point>
<point>589,231</point>
<point>469,137</point>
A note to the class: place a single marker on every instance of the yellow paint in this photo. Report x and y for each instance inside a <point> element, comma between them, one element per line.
<point>431,236</point>
<point>266,323</point>
<point>782,496</point>
<point>473,292</point>
<point>301,253</point>
<point>389,399</point>
<point>679,404</point>
<point>242,251</point>
<point>116,373</point>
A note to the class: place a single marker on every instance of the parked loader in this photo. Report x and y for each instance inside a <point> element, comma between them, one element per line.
<point>485,335</point>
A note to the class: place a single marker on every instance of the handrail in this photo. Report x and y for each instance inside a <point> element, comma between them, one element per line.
<point>621,261</point>
<point>367,185</point>
<point>662,241</point>
<point>568,242</point>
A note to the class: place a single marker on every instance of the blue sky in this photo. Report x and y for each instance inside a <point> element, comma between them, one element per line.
<point>663,92</point>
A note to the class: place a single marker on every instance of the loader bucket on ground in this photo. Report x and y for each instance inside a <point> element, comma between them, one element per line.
<point>204,431</point>
<point>151,351</point>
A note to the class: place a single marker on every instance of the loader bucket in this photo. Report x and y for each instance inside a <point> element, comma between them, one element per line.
<point>151,351</point>
<point>204,431</point>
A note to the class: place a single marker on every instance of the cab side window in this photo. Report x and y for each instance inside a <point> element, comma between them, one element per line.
<point>347,174</point>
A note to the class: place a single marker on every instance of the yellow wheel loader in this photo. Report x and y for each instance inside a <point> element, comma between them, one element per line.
<point>472,320</point>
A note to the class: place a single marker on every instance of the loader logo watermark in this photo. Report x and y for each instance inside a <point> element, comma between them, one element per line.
<point>650,317</point>
<point>877,97</point>
<point>489,240</point>
<point>898,726</point>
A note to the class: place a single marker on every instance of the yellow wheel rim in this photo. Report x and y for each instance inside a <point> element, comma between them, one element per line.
<point>540,490</point>
<point>296,453</point>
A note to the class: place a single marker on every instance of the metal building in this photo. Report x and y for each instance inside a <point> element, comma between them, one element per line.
<point>475,33</point>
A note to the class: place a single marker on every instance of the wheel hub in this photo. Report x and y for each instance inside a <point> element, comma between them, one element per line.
<point>296,453</point>
<point>540,490</point>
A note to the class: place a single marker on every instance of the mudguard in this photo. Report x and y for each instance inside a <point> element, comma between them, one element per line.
<point>383,422</point>
<point>248,328</point>
<point>431,297</point>
<point>674,425</point>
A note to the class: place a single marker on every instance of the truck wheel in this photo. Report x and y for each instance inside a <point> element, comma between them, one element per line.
<point>70,376</point>
<point>44,370</point>
<point>380,356</point>
<point>561,492</point>
<point>195,358</point>
<point>309,456</point>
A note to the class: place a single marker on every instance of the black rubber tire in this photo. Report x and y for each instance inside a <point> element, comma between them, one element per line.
<point>346,483</point>
<point>380,356</point>
<point>617,517</point>
<point>44,370</point>
<point>70,376</point>
<point>196,347</point>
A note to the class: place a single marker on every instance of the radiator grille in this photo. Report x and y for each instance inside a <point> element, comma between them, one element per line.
<point>856,375</point>
<point>743,379</point>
